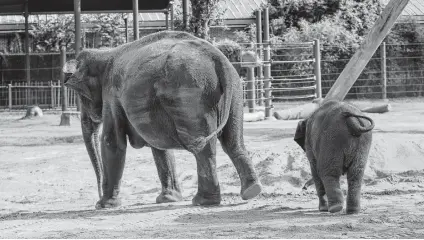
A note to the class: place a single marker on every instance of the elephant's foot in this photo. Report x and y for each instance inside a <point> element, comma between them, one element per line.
<point>250,190</point>
<point>352,210</point>
<point>323,207</point>
<point>169,196</point>
<point>323,204</point>
<point>108,203</point>
<point>335,208</point>
<point>206,199</point>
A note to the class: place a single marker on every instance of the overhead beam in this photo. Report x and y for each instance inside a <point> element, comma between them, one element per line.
<point>362,56</point>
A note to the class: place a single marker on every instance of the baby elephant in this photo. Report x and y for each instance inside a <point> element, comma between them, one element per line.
<point>337,139</point>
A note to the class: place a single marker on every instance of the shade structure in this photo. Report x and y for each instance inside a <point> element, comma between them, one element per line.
<point>17,7</point>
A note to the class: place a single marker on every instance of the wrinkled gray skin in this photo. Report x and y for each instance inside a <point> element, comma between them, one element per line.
<point>168,90</point>
<point>337,139</point>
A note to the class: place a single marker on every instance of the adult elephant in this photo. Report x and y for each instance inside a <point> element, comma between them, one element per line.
<point>168,90</point>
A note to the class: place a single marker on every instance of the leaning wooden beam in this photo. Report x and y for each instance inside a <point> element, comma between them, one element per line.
<point>361,58</point>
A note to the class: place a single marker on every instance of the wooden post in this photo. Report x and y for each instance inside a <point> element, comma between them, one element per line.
<point>317,68</point>
<point>362,56</point>
<point>27,56</point>
<point>51,95</point>
<point>251,87</point>
<point>185,14</point>
<point>65,118</point>
<point>10,96</point>
<point>383,71</point>
<point>267,66</point>
<point>77,16</point>
<point>260,74</point>
<point>126,28</point>
<point>172,15</point>
<point>135,20</point>
<point>167,20</point>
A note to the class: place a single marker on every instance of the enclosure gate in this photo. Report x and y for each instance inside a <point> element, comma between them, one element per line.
<point>295,71</point>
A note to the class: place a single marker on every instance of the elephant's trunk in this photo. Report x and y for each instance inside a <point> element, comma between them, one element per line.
<point>354,124</point>
<point>90,132</point>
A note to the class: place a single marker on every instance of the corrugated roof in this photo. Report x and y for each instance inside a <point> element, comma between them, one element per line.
<point>414,8</point>
<point>233,9</point>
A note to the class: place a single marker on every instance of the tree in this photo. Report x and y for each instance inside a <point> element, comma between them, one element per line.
<point>203,14</point>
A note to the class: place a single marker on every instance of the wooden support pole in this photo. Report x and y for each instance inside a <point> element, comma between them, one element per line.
<point>172,15</point>
<point>27,56</point>
<point>362,56</point>
<point>65,118</point>
<point>250,80</point>
<point>135,20</point>
<point>267,66</point>
<point>259,46</point>
<point>77,18</point>
<point>317,68</point>
<point>383,71</point>
<point>167,20</point>
<point>185,14</point>
<point>126,28</point>
<point>10,96</point>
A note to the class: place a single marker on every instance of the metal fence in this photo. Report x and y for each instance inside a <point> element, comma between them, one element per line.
<point>395,70</point>
<point>46,95</point>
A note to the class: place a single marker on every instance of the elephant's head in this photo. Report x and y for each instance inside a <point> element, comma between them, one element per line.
<point>300,134</point>
<point>87,74</point>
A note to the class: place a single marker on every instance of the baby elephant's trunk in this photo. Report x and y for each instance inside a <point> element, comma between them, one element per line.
<point>355,125</point>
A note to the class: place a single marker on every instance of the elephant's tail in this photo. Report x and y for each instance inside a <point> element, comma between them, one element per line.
<point>354,124</point>
<point>225,77</point>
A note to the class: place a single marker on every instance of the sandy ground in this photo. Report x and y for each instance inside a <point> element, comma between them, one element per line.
<point>48,189</point>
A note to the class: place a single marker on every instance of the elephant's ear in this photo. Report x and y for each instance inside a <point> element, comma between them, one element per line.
<point>80,84</point>
<point>300,134</point>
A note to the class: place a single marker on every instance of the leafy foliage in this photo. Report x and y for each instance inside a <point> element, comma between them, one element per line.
<point>49,33</point>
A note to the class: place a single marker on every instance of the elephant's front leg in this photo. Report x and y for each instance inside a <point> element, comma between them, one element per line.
<point>208,192</point>
<point>165,164</point>
<point>113,145</point>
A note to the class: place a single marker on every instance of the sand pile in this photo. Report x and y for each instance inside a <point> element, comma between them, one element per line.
<point>394,159</point>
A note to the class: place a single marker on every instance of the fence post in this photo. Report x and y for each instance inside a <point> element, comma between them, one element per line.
<point>10,97</point>
<point>267,66</point>
<point>317,68</point>
<point>260,83</point>
<point>383,71</point>
<point>251,86</point>
<point>65,117</point>
<point>51,94</point>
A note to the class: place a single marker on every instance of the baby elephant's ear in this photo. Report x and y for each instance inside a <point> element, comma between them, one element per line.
<point>300,134</point>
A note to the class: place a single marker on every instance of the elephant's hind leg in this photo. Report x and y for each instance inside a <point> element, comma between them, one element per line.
<point>354,181</point>
<point>165,164</point>
<point>233,145</point>
<point>334,193</point>
<point>208,192</point>
<point>319,185</point>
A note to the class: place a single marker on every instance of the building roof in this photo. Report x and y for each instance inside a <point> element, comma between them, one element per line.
<point>11,7</point>
<point>233,9</point>
<point>414,8</point>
